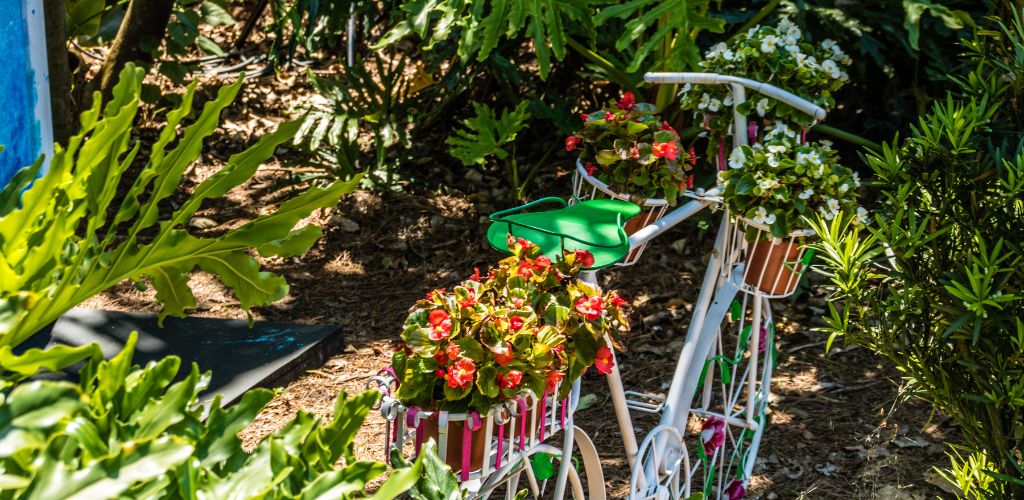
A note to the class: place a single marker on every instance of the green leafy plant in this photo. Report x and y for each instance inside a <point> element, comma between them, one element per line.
<point>627,146</point>
<point>936,286</point>
<point>128,432</point>
<point>68,235</point>
<point>528,324</point>
<point>487,134</point>
<point>780,183</point>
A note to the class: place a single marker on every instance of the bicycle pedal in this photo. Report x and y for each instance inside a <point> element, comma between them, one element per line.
<point>643,402</point>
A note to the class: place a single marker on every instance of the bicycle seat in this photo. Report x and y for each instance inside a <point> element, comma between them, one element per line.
<point>593,225</point>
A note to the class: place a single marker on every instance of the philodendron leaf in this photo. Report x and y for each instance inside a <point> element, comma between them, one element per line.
<point>53,359</point>
<point>78,191</point>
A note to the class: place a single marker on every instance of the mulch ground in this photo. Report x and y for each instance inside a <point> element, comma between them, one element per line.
<point>840,426</point>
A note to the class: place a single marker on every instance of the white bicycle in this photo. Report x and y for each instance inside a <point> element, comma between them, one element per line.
<point>713,416</point>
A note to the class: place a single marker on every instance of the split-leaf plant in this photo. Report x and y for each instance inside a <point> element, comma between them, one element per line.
<point>936,286</point>
<point>69,234</point>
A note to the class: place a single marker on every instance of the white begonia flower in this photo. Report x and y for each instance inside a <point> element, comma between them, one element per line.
<point>844,76</point>
<point>828,43</point>
<point>737,158</point>
<point>768,44</point>
<point>752,32</point>
<point>844,187</point>
<point>762,106</point>
<point>833,205</point>
<point>705,101</point>
<point>856,179</point>
<point>770,219</point>
<point>760,216</point>
<point>714,105</point>
<point>728,55</point>
<point>727,100</point>
<point>793,34</point>
<point>784,25</point>
<point>806,194</point>
<point>862,216</point>
<point>767,184</point>
<point>773,161</point>
<point>826,214</point>
<point>716,50</point>
<point>793,49</point>
<point>830,67</point>
<point>811,62</point>
<point>777,148</point>
<point>801,59</point>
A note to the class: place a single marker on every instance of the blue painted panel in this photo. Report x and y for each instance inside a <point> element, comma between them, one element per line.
<point>19,127</point>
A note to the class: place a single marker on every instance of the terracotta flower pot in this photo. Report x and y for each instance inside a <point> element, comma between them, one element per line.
<point>635,224</point>
<point>774,268</point>
<point>453,454</point>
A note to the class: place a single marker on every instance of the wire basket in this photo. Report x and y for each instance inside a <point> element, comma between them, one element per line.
<point>771,267</point>
<point>587,187</point>
<point>478,447</point>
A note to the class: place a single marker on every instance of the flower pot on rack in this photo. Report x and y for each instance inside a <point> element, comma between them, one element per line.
<point>774,266</point>
<point>588,187</point>
<point>455,451</point>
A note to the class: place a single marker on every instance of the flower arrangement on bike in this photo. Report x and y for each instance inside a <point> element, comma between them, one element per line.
<point>630,148</point>
<point>528,324</point>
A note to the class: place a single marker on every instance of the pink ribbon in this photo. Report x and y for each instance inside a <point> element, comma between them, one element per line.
<point>522,423</point>
<point>543,413</point>
<point>501,443</point>
<point>470,425</point>
<point>803,136</point>
<point>565,402</point>
<point>721,155</point>
<point>752,133</point>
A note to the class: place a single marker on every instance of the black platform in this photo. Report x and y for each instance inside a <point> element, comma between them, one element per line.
<point>270,354</point>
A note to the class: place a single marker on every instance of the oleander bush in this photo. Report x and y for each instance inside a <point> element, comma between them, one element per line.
<point>936,284</point>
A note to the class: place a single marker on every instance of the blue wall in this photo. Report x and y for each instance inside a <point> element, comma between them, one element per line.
<point>19,130</point>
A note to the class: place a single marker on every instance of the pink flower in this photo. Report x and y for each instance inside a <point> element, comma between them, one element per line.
<point>666,126</point>
<point>470,299</point>
<point>453,351</point>
<point>585,258</point>
<point>604,361</point>
<point>515,323</point>
<point>542,261</point>
<point>712,434</point>
<point>460,374</point>
<point>476,275</point>
<point>590,307</point>
<point>634,152</point>
<point>441,324</point>
<point>692,157</point>
<point>571,142</point>
<point>735,490</point>
<point>666,150</point>
<point>609,116</point>
<point>628,101</point>
<point>511,380</point>
<point>762,339</point>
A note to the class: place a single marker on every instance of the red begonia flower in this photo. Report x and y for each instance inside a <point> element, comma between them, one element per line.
<point>503,354</point>
<point>553,379</point>
<point>515,323</point>
<point>440,357</point>
<point>735,490</point>
<point>589,307</point>
<point>439,372</point>
<point>712,434</point>
<point>693,156</point>
<point>666,126</point>
<point>590,168</point>
<point>571,142</point>
<point>605,360</point>
<point>585,258</point>
<point>510,380</point>
<point>518,302</point>
<point>542,261</point>
<point>476,275</point>
<point>609,116</point>
<point>441,324</point>
<point>453,351</point>
<point>618,301</point>
<point>584,116</point>
<point>666,150</point>
<point>460,374</point>
<point>470,300</point>
<point>634,152</point>
<point>628,101</point>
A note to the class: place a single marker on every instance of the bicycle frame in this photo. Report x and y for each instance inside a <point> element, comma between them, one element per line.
<point>677,403</point>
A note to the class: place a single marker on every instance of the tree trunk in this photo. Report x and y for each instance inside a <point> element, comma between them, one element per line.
<point>145,23</point>
<point>61,101</point>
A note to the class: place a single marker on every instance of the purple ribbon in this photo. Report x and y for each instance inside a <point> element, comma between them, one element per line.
<point>543,413</point>
<point>752,133</point>
<point>803,136</point>
<point>470,425</point>
<point>721,156</point>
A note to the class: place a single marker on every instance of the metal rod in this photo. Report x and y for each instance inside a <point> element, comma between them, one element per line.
<point>768,90</point>
<point>647,233</point>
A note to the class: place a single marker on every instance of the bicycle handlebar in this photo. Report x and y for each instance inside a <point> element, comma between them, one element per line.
<point>768,90</point>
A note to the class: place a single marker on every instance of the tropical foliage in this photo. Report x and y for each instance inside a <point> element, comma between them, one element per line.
<point>780,183</point>
<point>528,324</point>
<point>630,148</point>
<point>69,235</point>
<point>935,286</point>
<point>128,432</point>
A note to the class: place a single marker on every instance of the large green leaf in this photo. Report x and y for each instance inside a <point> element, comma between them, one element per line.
<point>487,133</point>
<point>80,189</point>
<point>655,24</point>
